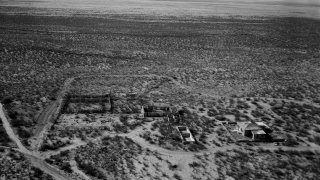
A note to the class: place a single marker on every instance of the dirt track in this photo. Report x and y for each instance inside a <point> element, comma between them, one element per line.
<point>34,157</point>
<point>47,115</point>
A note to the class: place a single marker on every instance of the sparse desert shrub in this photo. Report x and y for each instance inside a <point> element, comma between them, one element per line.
<point>220,154</point>
<point>89,168</point>
<point>4,138</point>
<point>7,100</point>
<point>257,113</point>
<point>203,138</point>
<point>66,167</point>
<point>290,141</point>
<point>216,143</point>
<point>195,164</point>
<point>24,132</point>
<point>154,126</point>
<point>315,139</point>
<point>164,175</point>
<point>120,128</point>
<point>53,144</point>
<point>293,153</point>
<point>196,147</point>
<point>83,136</point>
<point>242,105</point>
<point>261,150</point>
<point>303,132</point>
<point>147,136</point>
<point>221,118</point>
<point>13,115</point>
<point>173,167</point>
<point>21,121</point>
<point>178,177</point>
<point>278,122</point>
<point>220,131</point>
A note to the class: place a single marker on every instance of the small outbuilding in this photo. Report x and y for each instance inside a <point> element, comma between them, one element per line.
<point>252,130</point>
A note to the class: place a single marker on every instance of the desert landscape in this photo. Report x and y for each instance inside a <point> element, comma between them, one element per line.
<point>159,89</point>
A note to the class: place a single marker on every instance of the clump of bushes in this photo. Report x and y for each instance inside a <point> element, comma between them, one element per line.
<point>290,141</point>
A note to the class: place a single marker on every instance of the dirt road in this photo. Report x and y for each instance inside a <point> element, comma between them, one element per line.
<point>34,157</point>
<point>44,124</point>
<point>45,118</point>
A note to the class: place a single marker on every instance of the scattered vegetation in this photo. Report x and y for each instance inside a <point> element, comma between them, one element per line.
<point>4,138</point>
<point>15,166</point>
<point>266,164</point>
<point>114,155</point>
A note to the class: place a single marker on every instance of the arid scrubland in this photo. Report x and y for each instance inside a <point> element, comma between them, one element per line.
<point>204,73</point>
<point>15,166</point>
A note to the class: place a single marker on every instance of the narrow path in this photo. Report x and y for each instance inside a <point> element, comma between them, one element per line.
<point>47,154</point>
